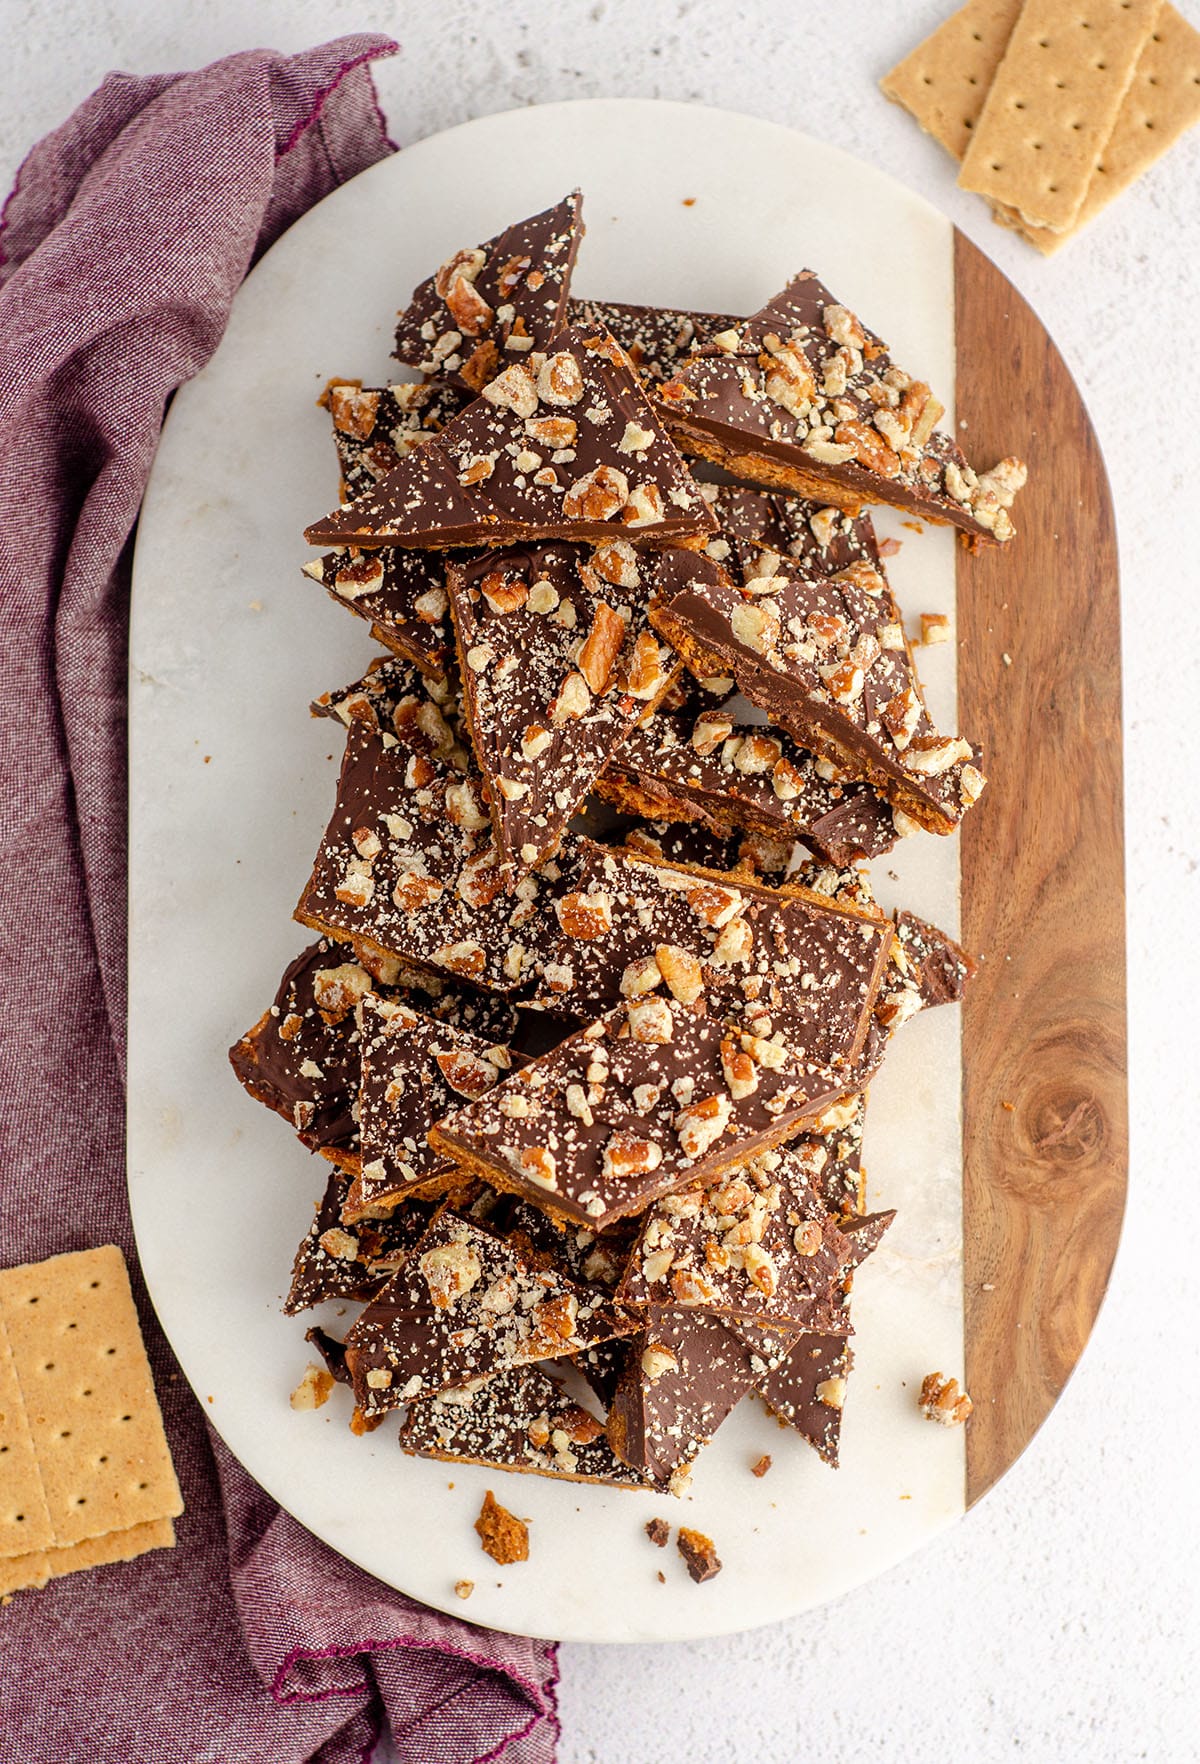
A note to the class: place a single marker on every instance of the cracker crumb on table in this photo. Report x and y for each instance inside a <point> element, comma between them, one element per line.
<point>503,1536</point>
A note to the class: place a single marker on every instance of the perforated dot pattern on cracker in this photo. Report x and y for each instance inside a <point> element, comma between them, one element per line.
<point>87,1473</point>
<point>945,80</point>
<point>1162,103</point>
<point>1053,105</point>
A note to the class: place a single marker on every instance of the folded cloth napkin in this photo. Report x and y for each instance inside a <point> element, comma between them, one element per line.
<point>121,248</point>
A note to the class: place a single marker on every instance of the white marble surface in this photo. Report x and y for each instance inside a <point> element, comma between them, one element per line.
<point>1058,1621</point>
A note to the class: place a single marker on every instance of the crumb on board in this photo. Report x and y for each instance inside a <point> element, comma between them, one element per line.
<point>763,1465</point>
<point>504,1537</point>
<point>699,1554</point>
<point>464,1588</point>
<point>890,547</point>
<point>941,1400</point>
<point>935,628</point>
<point>313,1389</point>
<point>658,1531</point>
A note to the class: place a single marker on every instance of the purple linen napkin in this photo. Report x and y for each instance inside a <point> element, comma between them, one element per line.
<point>121,249</point>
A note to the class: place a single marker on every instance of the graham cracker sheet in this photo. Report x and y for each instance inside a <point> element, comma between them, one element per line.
<point>85,1470</point>
<point>1053,105</point>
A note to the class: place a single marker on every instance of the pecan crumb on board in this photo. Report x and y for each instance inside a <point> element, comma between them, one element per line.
<point>504,1537</point>
<point>941,1400</point>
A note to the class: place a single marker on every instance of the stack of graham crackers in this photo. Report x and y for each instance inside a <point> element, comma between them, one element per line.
<point>1053,107</point>
<point>600,981</point>
<point>85,1470</point>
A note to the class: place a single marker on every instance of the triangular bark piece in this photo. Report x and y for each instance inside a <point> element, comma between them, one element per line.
<point>684,1375</point>
<point>465,1305</point>
<point>634,928</point>
<point>401,594</point>
<point>643,1102</point>
<point>374,427</point>
<point>334,1262</point>
<point>518,1419</point>
<point>491,304</point>
<point>802,397</point>
<point>826,658</point>
<point>560,446</point>
<point>760,1245</point>
<point>558,663</point>
<point>414,1070</point>
<point>408,867</point>
<point>703,759</point>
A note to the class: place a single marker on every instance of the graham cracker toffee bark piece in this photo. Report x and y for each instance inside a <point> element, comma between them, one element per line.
<point>652,1096</point>
<point>691,842</point>
<point>466,1304</point>
<point>414,1069</point>
<point>517,1419</point>
<point>685,1374</point>
<point>408,865</point>
<point>806,1386</point>
<point>558,663</point>
<point>339,1262</point>
<point>401,595</point>
<point>753,521</point>
<point>657,339</point>
<point>760,1245</point>
<point>704,760</point>
<point>926,968</point>
<point>374,427</point>
<point>303,1056</point>
<point>633,928</point>
<point>802,397</point>
<point>827,659</point>
<point>560,446</point>
<point>492,304</point>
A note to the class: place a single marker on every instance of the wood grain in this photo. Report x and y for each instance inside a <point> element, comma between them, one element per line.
<point>1045,1134</point>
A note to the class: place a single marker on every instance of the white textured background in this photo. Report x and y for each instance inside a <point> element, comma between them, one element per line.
<point>1059,1620</point>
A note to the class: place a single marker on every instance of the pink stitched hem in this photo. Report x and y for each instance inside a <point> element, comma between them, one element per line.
<point>535,1692</point>
<point>326,92</point>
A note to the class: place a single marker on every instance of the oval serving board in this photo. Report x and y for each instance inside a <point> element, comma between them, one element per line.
<point>1008,1216</point>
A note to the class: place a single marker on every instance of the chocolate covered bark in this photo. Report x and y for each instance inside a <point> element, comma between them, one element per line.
<point>803,397</point>
<point>464,1305</point>
<point>705,761</point>
<point>927,968</point>
<point>517,1419</point>
<point>408,865</point>
<point>759,1245</point>
<point>753,521</point>
<point>414,1069</point>
<point>559,446</point>
<point>827,659</point>
<point>303,1056</point>
<point>647,1099</point>
<point>339,1262</point>
<point>491,304</point>
<point>657,339</point>
<point>684,1375</point>
<point>558,663</point>
<point>629,927</point>
<point>374,427</point>
<point>401,595</point>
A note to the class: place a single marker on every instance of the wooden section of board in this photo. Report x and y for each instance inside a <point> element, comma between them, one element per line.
<point>1044,1081</point>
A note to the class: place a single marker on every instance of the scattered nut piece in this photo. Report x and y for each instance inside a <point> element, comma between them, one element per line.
<point>763,1465</point>
<point>464,1588</point>
<point>313,1389</point>
<point>941,1400</point>
<point>659,1532</point>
